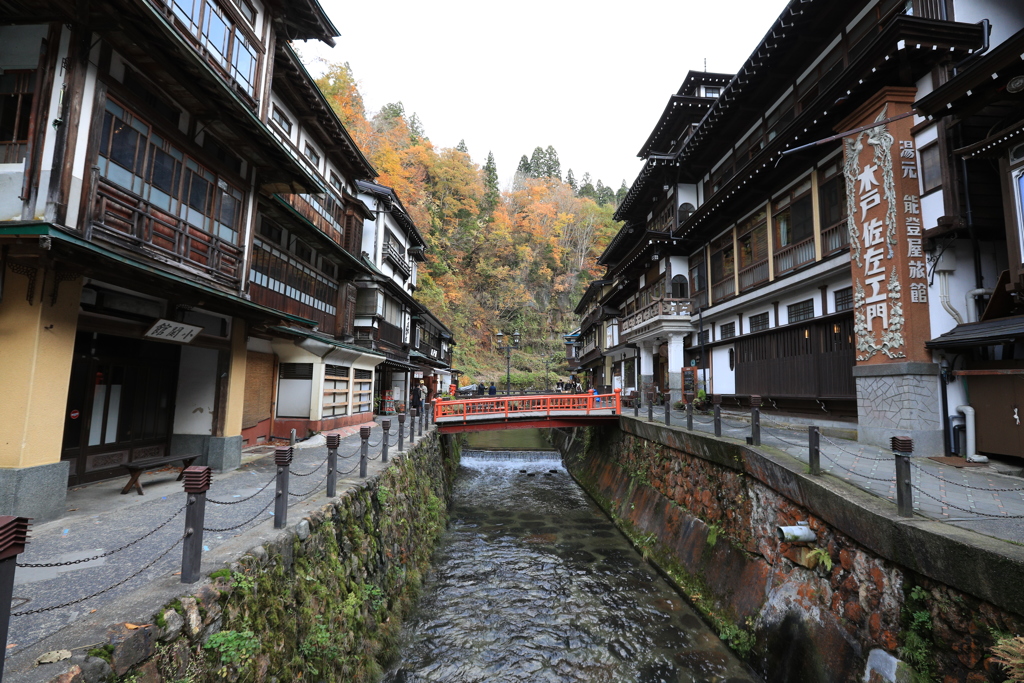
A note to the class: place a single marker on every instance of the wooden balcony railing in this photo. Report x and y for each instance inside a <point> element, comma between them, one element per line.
<point>754,275</point>
<point>126,219</point>
<point>723,290</point>
<point>392,334</point>
<point>658,307</point>
<point>396,255</point>
<point>835,238</point>
<point>794,256</point>
<point>326,214</point>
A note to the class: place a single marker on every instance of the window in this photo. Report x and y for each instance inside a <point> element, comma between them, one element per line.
<point>226,45</point>
<point>336,390</point>
<point>835,234</point>
<point>931,169</point>
<point>712,92</point>
<point>336,182</point>
<point>362,399</point>
<point>759,322</point>
<point>247,10</point>
<point>803,310</point>
<point>274,269</point>
<point>722,268</point>
<point>793,224</point>
<point>753,244</point>
<point>728,331</point>
<point>312,155</point>
<point>135,157</point>
<point>279,117</point>
<point>698,272</point>
<point>704,337</point>
<point>844,299</point>
<point>679,289</point>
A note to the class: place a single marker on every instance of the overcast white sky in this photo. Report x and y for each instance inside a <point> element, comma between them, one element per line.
<point>590,81</point>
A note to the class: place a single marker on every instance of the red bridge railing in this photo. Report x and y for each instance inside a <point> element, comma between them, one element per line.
<point>557,405</point>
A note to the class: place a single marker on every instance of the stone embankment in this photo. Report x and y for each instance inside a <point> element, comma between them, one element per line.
<point>320,601</point>
<point>872,597</point>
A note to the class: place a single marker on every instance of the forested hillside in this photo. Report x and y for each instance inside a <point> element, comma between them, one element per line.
<point>499,259</point>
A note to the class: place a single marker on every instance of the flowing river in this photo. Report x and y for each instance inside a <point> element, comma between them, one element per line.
<point>532,582</point>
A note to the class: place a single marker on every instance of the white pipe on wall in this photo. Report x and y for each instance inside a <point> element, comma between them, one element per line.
<point>969,298</point>
<point>944,297</point>
<point>972,455</point>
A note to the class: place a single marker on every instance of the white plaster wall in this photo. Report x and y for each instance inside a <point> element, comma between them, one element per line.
<point>1007,16</point>
<point>680,266</point>
<point>84,131</point>
<point>196,397</point>
<point>932,208</point>
<point>259,345</point>
<point>723,380</point>
<point>686,193</point>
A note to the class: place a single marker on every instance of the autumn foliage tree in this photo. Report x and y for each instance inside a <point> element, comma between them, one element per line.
<point>516,259</point>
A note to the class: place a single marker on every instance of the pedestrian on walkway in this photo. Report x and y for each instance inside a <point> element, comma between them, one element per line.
<point>416,397</point>
<point>492,390</point>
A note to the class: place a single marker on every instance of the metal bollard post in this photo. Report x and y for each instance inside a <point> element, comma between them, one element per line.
<point>364,449</point>
<point>13,537</point>
<point>636,404</point>
<point>197,483</point>
<point>755,420</point>
<point>716,399</point>
<point>689,416</point>
<point>333,442</point>
<point>412,428</point>
<point>903,448</point>
<point>401,432</point>
<point>814,449</point>
<point>422,418</point>
<point>668,409</point>
<point>386,426</point>
<point>650,408</point>
<point>292,439</point>
<point>283,460</point>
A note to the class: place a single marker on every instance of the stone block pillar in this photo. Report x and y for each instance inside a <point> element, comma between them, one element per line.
<point>900,399</point>
<point>676,362</point>
<point>646,364</point>
<point>38,321</point>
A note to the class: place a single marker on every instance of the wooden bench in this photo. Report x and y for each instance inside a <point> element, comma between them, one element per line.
<point>135,469</point>
<point>629,397</point>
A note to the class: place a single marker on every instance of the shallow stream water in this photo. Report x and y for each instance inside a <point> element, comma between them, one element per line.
<point>532,582</point>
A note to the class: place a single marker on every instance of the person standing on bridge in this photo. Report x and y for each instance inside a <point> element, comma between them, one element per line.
<point>492,390</point>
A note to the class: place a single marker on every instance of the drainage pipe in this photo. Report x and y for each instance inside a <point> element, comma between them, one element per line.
<point>944,297</point>
<point>971,455</point>
<point>972,306</point>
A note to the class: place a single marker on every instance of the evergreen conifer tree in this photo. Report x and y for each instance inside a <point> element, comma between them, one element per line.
<point>570,180</point>
<point>524,168</point>
<point>620,196</point>
<point>554,167</point>
<point>462,147</point>
<point>492,195</point>
<point>538,163</point>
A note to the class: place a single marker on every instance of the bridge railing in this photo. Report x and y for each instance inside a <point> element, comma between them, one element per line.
<point>512,406</point>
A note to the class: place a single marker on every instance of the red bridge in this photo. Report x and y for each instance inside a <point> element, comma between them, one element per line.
<point>486,413</point>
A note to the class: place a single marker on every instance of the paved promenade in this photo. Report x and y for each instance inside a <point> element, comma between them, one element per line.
<point>100,520</point>
<point>976,498</point>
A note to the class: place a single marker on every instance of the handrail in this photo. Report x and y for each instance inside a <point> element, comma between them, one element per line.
<point>512,406</point>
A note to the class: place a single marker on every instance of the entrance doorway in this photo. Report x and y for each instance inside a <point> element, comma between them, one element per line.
<point>120,404</point>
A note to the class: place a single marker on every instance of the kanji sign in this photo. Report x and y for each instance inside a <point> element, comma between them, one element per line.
<point>168,330</point>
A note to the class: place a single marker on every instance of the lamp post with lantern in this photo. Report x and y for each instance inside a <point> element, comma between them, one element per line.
<point>507,348</point>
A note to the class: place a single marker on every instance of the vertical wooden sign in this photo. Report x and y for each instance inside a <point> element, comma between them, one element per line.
<point>890,286</point>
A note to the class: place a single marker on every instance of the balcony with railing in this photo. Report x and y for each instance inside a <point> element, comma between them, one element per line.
<point>835,239</point>
<point>326,213</point>
<point>391,334</point>
<point>726,289</point>
<point>673,308</point>
<point>753,275</point>
<point>126,219</point>
<point>793,256</point>
<point>395,255</point>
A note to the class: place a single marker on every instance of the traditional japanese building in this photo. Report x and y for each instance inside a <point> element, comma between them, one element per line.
<point>766,255</point>
<point>179,235</point>
<point>392,248</point>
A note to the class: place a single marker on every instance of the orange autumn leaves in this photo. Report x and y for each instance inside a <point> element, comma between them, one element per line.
<point>518,262</point>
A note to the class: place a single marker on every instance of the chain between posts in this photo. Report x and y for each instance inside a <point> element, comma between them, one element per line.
<point>243,500</point>
<point>41,565</point>
<point>966,486</point>
<point>101,592</point>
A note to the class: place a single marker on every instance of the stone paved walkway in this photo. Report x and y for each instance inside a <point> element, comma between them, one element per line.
<point>976,498</point>
<point>99,520</point>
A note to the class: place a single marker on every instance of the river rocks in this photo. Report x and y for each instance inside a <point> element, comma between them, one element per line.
<point>131,646</point>
<point>172,625</point>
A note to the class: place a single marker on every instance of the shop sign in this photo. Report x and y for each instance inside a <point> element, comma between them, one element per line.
<point>418,374</point>
<point>168,330</point>
<point>890,290</point>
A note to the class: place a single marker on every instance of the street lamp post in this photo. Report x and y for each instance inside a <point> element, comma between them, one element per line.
<point>507,348</point>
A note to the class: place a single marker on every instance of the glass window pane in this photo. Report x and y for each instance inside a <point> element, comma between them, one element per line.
<point>123,143</point>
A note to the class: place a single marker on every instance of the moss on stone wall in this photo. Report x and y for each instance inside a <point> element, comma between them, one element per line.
<point>326,606</point>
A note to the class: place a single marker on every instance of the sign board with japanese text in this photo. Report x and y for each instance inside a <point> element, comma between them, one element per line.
<point>890,284</point>
<point>169,330</point>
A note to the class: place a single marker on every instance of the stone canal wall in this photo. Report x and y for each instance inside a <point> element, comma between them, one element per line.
<point>323,601</point>
<point>873,596</point>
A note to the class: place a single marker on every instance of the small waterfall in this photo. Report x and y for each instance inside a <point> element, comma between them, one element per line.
<point>503,455</point>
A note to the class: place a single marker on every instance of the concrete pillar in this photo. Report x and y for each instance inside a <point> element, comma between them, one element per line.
<point>676,362</point>
<point>646,364</point>
<point>900,399</point>
<point>37,336</point>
